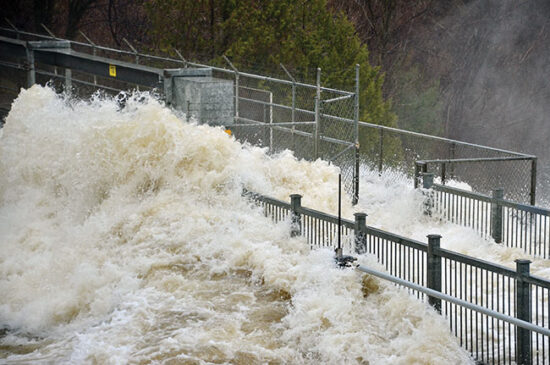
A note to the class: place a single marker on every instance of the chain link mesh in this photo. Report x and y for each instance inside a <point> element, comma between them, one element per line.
<point>389,149</point>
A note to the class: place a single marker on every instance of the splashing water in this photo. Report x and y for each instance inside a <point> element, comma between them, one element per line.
<point>125,238</point>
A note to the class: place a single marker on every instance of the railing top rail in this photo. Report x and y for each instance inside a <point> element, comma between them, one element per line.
<point>462,303</point>
<point>397,238</point>
<point>326,217</point>
<point>478,263</point>
<point>505,203</point>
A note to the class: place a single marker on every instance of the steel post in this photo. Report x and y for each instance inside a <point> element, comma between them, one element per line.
<point>31,74</point>
<point>523,312</point>
<point>317,115</point>
<point>433,280</point>
<point>381,151</point>
<point>532,193</point>
<point>357,145</point>
<point>296,220</point>
<point>68,80</point>
<point>496,216</point>
<point>360,230</point>
<point>427,183</point>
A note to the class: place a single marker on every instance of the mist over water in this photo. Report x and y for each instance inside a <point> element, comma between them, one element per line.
<point>125,238</point>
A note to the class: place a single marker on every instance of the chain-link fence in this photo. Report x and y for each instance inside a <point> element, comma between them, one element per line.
<point>311,120</point>
<point>481,167</point>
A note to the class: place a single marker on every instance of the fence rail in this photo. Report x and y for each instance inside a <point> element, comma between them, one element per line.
<point>474,283</point>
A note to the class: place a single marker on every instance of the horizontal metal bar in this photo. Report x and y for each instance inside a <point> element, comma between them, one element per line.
<point>485,198</point>
<point>266,199</point>
<point>396,238</point>
<point>467,194</point>
<point>460,302</point>
<point>282,106</point>
<point>13,65</point>
<point>479,159</point>
<point>476,262</point>
<point>442,139</point>
<point>351,146</point>
<point>272,125</point>
<point>337,99</point>
<point>288,130</point>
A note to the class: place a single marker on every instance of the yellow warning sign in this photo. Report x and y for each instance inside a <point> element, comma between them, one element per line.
<point>112,70</point>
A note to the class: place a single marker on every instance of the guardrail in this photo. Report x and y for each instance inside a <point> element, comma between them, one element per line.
<point>512,224</point>
<point>479,288</point>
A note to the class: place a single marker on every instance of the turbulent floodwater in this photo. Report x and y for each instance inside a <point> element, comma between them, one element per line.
<point>125,239</point>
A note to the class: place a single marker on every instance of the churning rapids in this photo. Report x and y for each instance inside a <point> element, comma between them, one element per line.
<point>125,239</point>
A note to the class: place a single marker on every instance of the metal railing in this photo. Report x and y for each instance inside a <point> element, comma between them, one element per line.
<point>486,296</point>
<point>512,224</point>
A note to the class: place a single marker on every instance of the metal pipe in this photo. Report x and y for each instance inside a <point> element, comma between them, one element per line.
<point>317,115</point>
<point>532,193</point>
<point>356,132</point>
<point>180,56</point>
<point>460,302</point>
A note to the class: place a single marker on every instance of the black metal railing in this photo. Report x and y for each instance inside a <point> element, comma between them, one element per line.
<point>512,224</point>
<point>509,293</point>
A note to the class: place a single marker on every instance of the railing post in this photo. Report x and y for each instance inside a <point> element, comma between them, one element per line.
<point>360,232</point>
<point>427,183</point>
<point>419,167</point>
<point>433,279</point>
<point>523,312</point>
<point>496,216</point>
<point>296,220</point>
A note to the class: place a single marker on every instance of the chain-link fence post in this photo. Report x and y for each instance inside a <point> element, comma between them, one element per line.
<point>357,146</point>
<point>31,74</point>
<point>236,87</point>
<point>381,151</point>
<point>293,110</point>
<point>496,216</point>
<point>317,115</point>
<point>532,192</point>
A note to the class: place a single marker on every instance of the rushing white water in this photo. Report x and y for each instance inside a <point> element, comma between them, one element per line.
<point>125,238</point>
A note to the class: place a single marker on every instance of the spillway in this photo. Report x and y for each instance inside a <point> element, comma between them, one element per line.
<point>126,239</point>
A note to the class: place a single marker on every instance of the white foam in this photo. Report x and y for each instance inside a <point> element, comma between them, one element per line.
<point>125,239</point>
